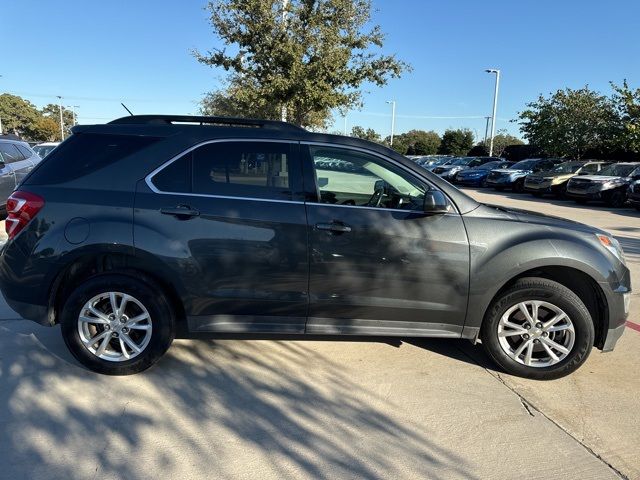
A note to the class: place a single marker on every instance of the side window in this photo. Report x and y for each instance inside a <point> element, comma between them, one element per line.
<point>590,168</point>
<point>28,153</point>
<point>349,177</point>
<point>244,169</point>
<point>10,153</point>
<point>175,177</point>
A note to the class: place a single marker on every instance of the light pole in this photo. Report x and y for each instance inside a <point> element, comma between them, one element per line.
<point>73,113</point>
<point>486,130</point>
<point>393,119</point>
<point>61,120</point>
<point>345,124</point>
<point>495,107</point>
<point>285,3</point>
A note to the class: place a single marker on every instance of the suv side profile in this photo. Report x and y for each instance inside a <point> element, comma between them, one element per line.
<point>151,227</point>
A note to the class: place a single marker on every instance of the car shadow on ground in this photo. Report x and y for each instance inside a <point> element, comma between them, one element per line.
<point>550,199</point>
<point>286,401</point>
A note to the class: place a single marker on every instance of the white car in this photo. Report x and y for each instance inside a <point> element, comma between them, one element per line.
<point>44,149</point>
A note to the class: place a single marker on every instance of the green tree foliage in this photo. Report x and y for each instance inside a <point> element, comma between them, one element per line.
<point>570,123</point>
<point>368,134</point>
<point>626,102</point>
<point>456,142</point>
<point>415,142</point>
<point>311,56</point>
<point>18,115</point>
<point>501,141</point>
<point>52,112</point>
<point>46,129</point>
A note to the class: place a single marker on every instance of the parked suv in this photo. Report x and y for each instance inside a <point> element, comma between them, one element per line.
<point>131,233</point>
<point>477,176</point>
<point>17,159</point>
<point>513,177</point>
<point>555,180</point>
<point>449,171</point>
<point>610,185</point>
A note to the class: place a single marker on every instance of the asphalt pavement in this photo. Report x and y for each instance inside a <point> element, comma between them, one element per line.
<point>356,408</point>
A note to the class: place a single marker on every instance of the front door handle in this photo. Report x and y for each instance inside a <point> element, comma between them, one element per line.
<point>181,211</point>
<point>334,227</point>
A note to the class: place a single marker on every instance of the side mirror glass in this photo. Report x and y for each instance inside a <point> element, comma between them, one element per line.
<point>435,202</point>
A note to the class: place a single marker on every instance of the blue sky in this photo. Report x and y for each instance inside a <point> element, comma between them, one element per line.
<point>96,54</point>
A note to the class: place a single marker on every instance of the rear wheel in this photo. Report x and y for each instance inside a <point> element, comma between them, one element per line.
<point>518,186</point>
<point>538,329</point>
<point>116,324</point>
<point>536,194</point>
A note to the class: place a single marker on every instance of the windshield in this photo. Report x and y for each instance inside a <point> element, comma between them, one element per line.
<point>524,165</point>
<point>618,170</point>
<point>490,166</point>
<point>461,161</point>
<point>568,167</point>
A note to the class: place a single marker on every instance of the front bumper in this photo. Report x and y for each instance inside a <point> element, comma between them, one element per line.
<point>584,195</point>
<point>618,301</point>
<point>470,181</point>
<point>500,182</point>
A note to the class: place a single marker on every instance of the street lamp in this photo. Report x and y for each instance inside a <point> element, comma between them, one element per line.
<point>73,113</point>
<point>61,121</point>
<point>393,119</point>
<point>495,107</point>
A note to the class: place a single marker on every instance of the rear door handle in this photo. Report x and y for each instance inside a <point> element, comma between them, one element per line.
<point>181,211</point>
<point>334,227</point>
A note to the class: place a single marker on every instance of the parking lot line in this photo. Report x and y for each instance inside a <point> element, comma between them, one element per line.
<point>634,326</point>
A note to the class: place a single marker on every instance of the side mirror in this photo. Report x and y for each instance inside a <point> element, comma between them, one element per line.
<point>435,202</point>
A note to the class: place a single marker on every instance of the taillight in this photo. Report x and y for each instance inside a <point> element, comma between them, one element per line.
<point>21,208</point>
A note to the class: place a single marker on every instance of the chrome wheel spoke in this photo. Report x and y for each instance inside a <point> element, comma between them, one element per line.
<point>114,302</point>
<point>98,320</point>
<point>528,356</point>
<point>521,348</point>
<point>555,345</point>
<point>124,349</point>
<point>550,352</point>
<point>103,345</point>
<point>525,311</point>
<point>554,320</point>
<point>92,341</point>
<point>130,342</point>
<point>123,305</point>
<point>560,328</point>
<point>98,313</point>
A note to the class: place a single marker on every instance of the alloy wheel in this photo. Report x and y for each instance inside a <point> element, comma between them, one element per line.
<point>114,326</point>
<point>536,333</point>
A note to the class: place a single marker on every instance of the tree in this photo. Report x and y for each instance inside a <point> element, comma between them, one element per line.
<point>456,142</point>
<point>52,112</point>
<point>570,123</point>
<point>415,142</point>
<point>46,129</point>
<point>307,56</point>
<point>627,106</point>
<point>501,141</point>
<point>18,115</point>
<point>368,134</point>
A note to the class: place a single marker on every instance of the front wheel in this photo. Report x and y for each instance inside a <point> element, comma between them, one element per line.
<point>538,329</point>
<point>117,324</point>
<point>518,186</point>
<point>615,199</point>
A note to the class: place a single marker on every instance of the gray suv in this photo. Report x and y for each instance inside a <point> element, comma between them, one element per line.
<point>151,227</point>
<point>17,159</point>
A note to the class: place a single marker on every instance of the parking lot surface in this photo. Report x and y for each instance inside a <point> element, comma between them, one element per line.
<point>355,408</point>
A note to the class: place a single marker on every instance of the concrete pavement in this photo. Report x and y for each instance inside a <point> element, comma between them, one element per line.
<point>356,408</point>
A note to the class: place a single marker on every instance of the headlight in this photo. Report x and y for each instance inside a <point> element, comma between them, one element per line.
<point>555,180</point>
<point>613,246</point>
<point>613,183</point>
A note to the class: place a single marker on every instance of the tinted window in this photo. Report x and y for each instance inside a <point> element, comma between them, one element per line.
<point>85,153</point>
<point>524,165</point>
<point>10,153</point>
<point>590,168</point>
<point>176,177</point>
<point>617,170</point>
<point>25,151</point>
<point>364,180</point>
<point>243,169</point>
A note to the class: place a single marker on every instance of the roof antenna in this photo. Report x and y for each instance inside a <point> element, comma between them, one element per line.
<point>125,107</point>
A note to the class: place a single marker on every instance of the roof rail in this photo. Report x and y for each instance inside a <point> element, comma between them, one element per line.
<point>205,120</point>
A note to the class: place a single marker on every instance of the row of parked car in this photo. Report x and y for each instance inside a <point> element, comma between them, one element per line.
<point>582,180</point>
<point>17,159</point>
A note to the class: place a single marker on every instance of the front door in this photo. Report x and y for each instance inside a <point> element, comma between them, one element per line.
<point>230,227</point>
<point>378,264</point>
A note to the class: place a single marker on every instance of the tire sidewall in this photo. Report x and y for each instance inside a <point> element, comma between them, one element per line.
<point>159,311</point>
<point>556,295</point>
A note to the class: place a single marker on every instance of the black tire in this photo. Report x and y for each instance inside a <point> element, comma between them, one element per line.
<point>518,186</point>
<point>160,313</point>
<point>549,291</point>
<point>638,207</point>
<point>499,189</point>
<point>615,199</point>
<point>581,201</point>
<point>483,183</point>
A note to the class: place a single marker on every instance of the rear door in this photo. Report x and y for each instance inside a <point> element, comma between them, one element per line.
<point>227,219</point>
<point>24,166</point>
<point>9,155</point>
<point>378,264</point>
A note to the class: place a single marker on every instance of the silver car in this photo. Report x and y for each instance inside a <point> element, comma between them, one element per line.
<point>17,159</point>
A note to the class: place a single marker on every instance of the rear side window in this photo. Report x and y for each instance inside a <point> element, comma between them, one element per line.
<point>10,153</point>
<point>27,152</point>
<point>85,153</point>
<point>235,169</point>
